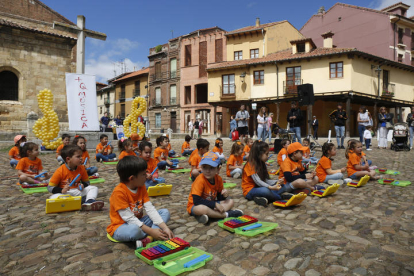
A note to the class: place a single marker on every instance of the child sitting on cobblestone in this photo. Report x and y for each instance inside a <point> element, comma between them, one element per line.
<point>357,168</point>
<point>30,165</point>
<point>126,147</point>
<point>218,149</point>
<point>281,156</point>
<point>307,154</point>
<point>60,183</point>
<point>202,147</point>
<point>248,145</point>
<point>65,142</point>
<point>145,149</point>
<point>80,141</point>
<point>161,153</point>
<point>128,201</point>
<point>185,148</point>
<point>104,151</point>
<point>207,198</point>
<point>14,153</point>
<point>234,166</point>
<point>324,169</point>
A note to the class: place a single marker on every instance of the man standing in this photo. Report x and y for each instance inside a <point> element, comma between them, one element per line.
<point>196,126</point>
<point>294,119</point>
<point>410,122</point>
<point>104,121</point>
<point>242,118</point>
<point>315,125</point>
<point>339,117</point>
<point>191,128</point>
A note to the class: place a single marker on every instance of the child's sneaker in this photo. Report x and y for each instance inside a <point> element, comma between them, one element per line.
<point>236,175</point>
<point>96,174</point>
<point>202,219</point>
<point>92,205</point>
<point>337,181</point>
<point>235,213</point>
<point>347,180</point>
<point>319,187</point>
<point>143,242</point>
<point>369,149</point>
<point>113,159</point>
<point>262,201</point>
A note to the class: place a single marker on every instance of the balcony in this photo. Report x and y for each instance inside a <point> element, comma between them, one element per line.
<point>159,76</point>
<point>107,101</point>
<point>173,75</point>
<point>290,88</point>
<point>173,101</point>
<point>388,90</point>
<point>122,96</point>
<point>136,93</point>
<point>156,102</point>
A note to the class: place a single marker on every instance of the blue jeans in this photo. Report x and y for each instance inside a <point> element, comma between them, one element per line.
<point>163,164</point>
<point>313,160</point>
<point>297,136</point>
<point>60,159</point>
<point>269,134</point>
<point>237,170</point>
<point>367,143</point>
<point>244,158</point>
<point>270,195</point>
<point>411,135</point>
<point>340,135</point>
<point>261,133</point>
<point>131,232</point>
<point>92,170</point>
<point>187,152</point>
<point>361,130</point>
<point>171,153</point>
<point>150,183</point>
<point>369,162</point>
<point>13,162</point>
<point>335,176</point>
<point>105,158</point>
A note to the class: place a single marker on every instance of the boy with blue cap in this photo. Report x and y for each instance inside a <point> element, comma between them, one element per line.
<point>207,197</point>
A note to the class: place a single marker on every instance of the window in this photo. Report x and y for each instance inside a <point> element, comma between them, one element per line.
<point>400,58</point>
<point>293,76</point>
<point>157,96</point>
<point>187,55</point>
<point>202,60</point>
<point>336,70</point>
<point>9,85</point>
<point>173,68</point>
<point>101,96</point>
<point>187,91</point>
<point>258,77</point>
<point>157,120</point>
<point>385,77</point>
<point>254,53</point>
<point>219,50</point>
<point>122,94</point>
<point>122,111</point>
<point>400,35</point>
<point>228,84</point>
<point>173,94</point>
<point>300,47</point>
<point>238,55</point>
<point>100,109</point>
<point>137,90</point>
<point>158,70</point>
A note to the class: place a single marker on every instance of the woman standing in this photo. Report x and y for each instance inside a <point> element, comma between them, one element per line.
<point>233,125</point>
<point>383,119</point>
<point>269,124</point>
<point>410,122</point>
<point>261,135</point>
<point>363,120</point>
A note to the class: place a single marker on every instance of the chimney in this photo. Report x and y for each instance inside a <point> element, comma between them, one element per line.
<point>327,39</point>
<point>321,10</point>
<point>257,21</point>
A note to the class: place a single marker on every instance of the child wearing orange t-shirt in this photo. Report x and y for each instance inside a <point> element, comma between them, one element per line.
<point>202,147</point>
<point>281,156</point>
<point>307,154</point>
<point>65,142</point>
<point>80,141</point>
<point>256,184</point>
<point>14,153</point>
<point>104,150</point>
<point>60,183</point>
<point>247,147</point>
<point>207,198</point>
<point>145,149</point>
<point>30,165</point>
<point>234,166</point>
<point>324,170</point>
<point>135,138</point>
<point>128,201</point>
<point>161,154</point>
<point>185,148</point>
<point>126,148</point>
<point>356,168</point>
<point>171,152</point>
<point>218,149</point>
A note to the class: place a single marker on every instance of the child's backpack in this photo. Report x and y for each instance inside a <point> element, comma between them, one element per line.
<point>235,135</point>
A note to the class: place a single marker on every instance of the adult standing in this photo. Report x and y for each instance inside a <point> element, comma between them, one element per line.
<point>269,125</point>
<point>315,125</point>
<point>339,117</point>
<point>200,128</point>
<point>261,124</point>
<point>104,121</point>
<point>196,126</point>
<point>242,118</point>
<point>383,119</point>
<point>294,119</point>
<point>233,125</point>
<point>410,122</point>
<point>363,120</point>
<point>190,128</point>
<point>118,120</point>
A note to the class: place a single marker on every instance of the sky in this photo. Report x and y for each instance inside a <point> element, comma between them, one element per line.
<point>134,26</point>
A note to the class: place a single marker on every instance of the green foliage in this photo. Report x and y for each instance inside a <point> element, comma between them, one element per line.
<point>158,48</point>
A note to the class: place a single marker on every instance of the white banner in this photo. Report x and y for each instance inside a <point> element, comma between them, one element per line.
<point>120,132</point>
<point>82,106</point>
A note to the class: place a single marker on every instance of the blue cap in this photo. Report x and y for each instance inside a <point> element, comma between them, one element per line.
<point>210,158</point>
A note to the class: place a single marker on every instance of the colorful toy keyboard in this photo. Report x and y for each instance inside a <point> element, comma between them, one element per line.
<point>327,191</point>
<point>386,171</point>
<point>240,221</point>
<point>360,183</point>
<point>401,183</point>
<point>274,172</point>
<point>294,200</point>
<point>164,248</point>
<point>251,229</point>
<point>27,186</point>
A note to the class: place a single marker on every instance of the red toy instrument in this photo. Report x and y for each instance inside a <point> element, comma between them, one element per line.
<point>240,221</point>
<point>165,248</point>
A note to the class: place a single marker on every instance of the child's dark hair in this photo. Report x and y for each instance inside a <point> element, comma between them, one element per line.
<point>284,142</point>
<point>161,139</point>
<point>69,151</point>
<point>130,165</point>
<point>254,159</point>
<point>103,136</point>
<point>247,140</point>
<point>326,148</point>
<point>217,142</point>
<point>351,146</point>
<point>202,143</point>
<point>187,138</point>
<point>65,135</point>
<point>237,146</point>
<point>307,140</point>
<point>19,142</point>
<point>143,145</point>
<point>76,140</point>
<point>123,143</point>
<point>27,146</point>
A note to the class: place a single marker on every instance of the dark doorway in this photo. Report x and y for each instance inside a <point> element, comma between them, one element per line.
<point>201,93</point>
<point>173,122</point>
<point>9,86</point>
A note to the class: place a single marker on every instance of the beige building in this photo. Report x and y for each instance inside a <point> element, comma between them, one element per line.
<point>342,75</point>
<point>105,100</point>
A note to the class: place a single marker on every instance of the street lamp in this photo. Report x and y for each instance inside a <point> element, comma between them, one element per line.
<point>242,76</point>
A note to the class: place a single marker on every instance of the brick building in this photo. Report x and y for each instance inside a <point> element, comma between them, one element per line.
<point>33,56</point>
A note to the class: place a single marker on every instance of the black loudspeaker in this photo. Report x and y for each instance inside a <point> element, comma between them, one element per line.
<point>305,94</point>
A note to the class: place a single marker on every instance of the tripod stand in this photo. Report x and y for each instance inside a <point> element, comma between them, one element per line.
<point>317,145</point>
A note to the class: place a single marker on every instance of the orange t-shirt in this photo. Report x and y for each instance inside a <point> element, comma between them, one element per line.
<point>59,148</point>
<point>63,176</point>
<point>124,153</point>
<point>159,152</point>
<point>233,161</point>
<point>28,166</point>
<point>245,150</point>
<point>306,153</point>
<point>282,152</point>
<point>195,161</point>
<point>168,147</point>
<point>203,188</point>
<point>185,146</point>
<point>100,147</point>
<point>135,144</point>
<point>122,198</point>
<point>324,164</point>
<point>291,166</point>
<point>85,154</point>
<point>151,165</point>
<point>217,149</point>
<point>15,153</point>
<point>194,153</point>
<point>353,159</point>
<point>247,180</point>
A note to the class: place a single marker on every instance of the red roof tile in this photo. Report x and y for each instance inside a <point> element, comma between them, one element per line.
<point>133,74</point>
<point>254,28</point>
<point>394,5</point>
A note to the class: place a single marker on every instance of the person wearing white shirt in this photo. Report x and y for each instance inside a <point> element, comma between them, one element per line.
<point>368,137</point>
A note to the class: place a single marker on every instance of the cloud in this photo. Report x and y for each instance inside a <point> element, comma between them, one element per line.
<point>251,4</point>
<point>380,4</point>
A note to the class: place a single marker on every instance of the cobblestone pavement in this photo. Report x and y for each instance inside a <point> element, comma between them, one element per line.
<point>365,231</point>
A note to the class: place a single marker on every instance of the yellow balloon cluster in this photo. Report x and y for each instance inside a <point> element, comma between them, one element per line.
<point>47,128</point>
<point>138,107</point>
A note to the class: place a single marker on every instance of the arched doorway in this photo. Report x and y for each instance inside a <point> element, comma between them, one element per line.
<point>9,86</point>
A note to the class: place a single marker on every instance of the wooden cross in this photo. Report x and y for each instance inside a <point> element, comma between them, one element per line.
<point>82,33</point>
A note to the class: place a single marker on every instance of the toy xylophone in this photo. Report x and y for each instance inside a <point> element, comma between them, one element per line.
<point>165,248</point>
<point>360,183</point>
<point>26,186</point>
<point>240,221</point>
<point>294,200</point>
<point>326,191</point>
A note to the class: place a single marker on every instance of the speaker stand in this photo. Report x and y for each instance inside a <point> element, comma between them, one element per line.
<point>310,137</point>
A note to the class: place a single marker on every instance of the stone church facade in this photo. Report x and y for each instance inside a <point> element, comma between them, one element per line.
<point>33,56</point>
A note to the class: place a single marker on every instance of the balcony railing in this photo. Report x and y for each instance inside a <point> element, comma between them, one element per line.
<point>156,102</point>
<point>173,74</point>
<point>159,76</point>
<point>173,101</point>
<point>137,93</point>
<point>107,101</point>
<point>122,96</point>
<point>388,90</point>
<point>289,89</point>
